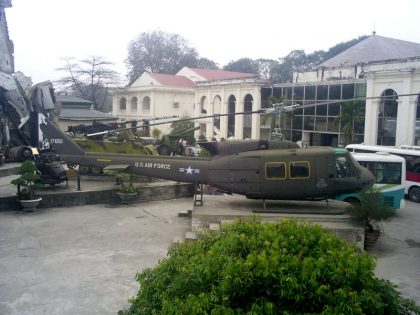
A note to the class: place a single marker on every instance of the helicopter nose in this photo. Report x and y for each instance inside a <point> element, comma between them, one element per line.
<point>367,178</point>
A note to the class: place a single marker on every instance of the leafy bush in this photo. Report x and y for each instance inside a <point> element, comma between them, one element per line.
<point>124,179</point>
<point>371,210</point>
<point>266,268</point>
<point>28,181</point>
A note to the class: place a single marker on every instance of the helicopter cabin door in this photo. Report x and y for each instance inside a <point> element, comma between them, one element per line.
<point>244,175</point>
<point>289,177</point>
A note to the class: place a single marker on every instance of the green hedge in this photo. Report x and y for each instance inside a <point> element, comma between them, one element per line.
<point>251,267</point>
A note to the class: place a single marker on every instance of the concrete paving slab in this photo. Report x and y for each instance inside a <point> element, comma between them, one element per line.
<point>226,208</point>
<point>236,204</point>
<point>398,251</point>
<point>82,260</point>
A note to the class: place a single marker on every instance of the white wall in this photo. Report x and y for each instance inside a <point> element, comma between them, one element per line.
<point>403,78</point>
<point>161,104</point>
<point>224,89</point>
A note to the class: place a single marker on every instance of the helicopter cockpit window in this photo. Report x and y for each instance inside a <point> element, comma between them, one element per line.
<point>299,169</point>
<point>275,170</point>
<point>343,167</point>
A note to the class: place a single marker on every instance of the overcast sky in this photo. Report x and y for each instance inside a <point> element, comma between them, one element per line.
<point>43,31</point>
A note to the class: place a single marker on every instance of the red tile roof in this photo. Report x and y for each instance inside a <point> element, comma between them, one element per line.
<point>211,75</point>
<point>173,80</point>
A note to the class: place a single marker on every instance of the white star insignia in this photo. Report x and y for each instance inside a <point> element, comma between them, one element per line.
<point>189,170</point>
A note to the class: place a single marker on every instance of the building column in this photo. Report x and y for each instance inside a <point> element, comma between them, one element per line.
<point>256,118</point>
<point>371,116</point>
<point>210,111</point>
<point>115,103</point>
<point>406,116</point>
<point>152,110</point>
<point>197,114</point>
<point>239,119</point>
<point>223,119</point>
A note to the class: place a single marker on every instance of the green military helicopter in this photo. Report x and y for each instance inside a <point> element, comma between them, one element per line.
<point>257,169</point>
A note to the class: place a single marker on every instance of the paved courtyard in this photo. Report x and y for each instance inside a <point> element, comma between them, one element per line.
<point>83,260</point>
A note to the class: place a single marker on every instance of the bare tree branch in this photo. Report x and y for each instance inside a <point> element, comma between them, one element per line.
<point>88,78</point>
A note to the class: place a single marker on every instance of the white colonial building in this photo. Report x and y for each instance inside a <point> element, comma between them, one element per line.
<point>381,71</point>
<point>195,92</point>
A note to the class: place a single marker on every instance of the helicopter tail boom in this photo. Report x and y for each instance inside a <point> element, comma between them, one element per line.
<point>50,136</point>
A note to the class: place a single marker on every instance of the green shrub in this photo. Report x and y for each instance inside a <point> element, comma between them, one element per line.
<point>371,210</point>
<point>28,181</point>
<point>266,268</point>
<point>123,179</point>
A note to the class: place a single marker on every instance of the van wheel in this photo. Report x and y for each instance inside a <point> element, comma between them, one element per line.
<point>414,194</point>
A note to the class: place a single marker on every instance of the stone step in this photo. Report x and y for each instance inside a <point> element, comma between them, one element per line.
<point>191,236</point>
<point>214,226</point>
<point>185,214</point>
<point>8,169</point>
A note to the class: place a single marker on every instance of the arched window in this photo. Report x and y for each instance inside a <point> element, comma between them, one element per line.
<point>134,104</point>
<point>203,106</point>
<point>146,104</point>
<point>123,104</point>
<point>387,118</point>
<point>217,108</point>
<point>417,131</point>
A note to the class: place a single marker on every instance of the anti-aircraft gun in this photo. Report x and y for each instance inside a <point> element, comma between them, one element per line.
<point>170,143</point>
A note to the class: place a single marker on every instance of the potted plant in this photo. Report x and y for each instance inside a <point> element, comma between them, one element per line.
<point>28,182</point>
<point>127,192</point>
<point>370,212</point>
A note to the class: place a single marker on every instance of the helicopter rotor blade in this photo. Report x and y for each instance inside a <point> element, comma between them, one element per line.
<point>266,111</point>
<point>261,111</point>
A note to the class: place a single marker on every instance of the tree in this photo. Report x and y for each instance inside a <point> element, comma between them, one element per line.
<point>251,267</point>
<point>245,65</point>
<point>161,52</point>
<point>282,70</point>
<point>204,63</point>
<point>180,127</point>
<point>261,67</point>
<point>351,114</point>
<point>88,78</point>
<point>336,49</point>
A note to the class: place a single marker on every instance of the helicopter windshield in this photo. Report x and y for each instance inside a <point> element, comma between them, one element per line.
<point>344,167</point>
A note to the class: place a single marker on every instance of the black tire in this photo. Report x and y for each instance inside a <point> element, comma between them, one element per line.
<point>414,194</point>
<point>164,150</point>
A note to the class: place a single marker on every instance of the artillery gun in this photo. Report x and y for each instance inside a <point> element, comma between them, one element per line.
<point>100,137</point>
